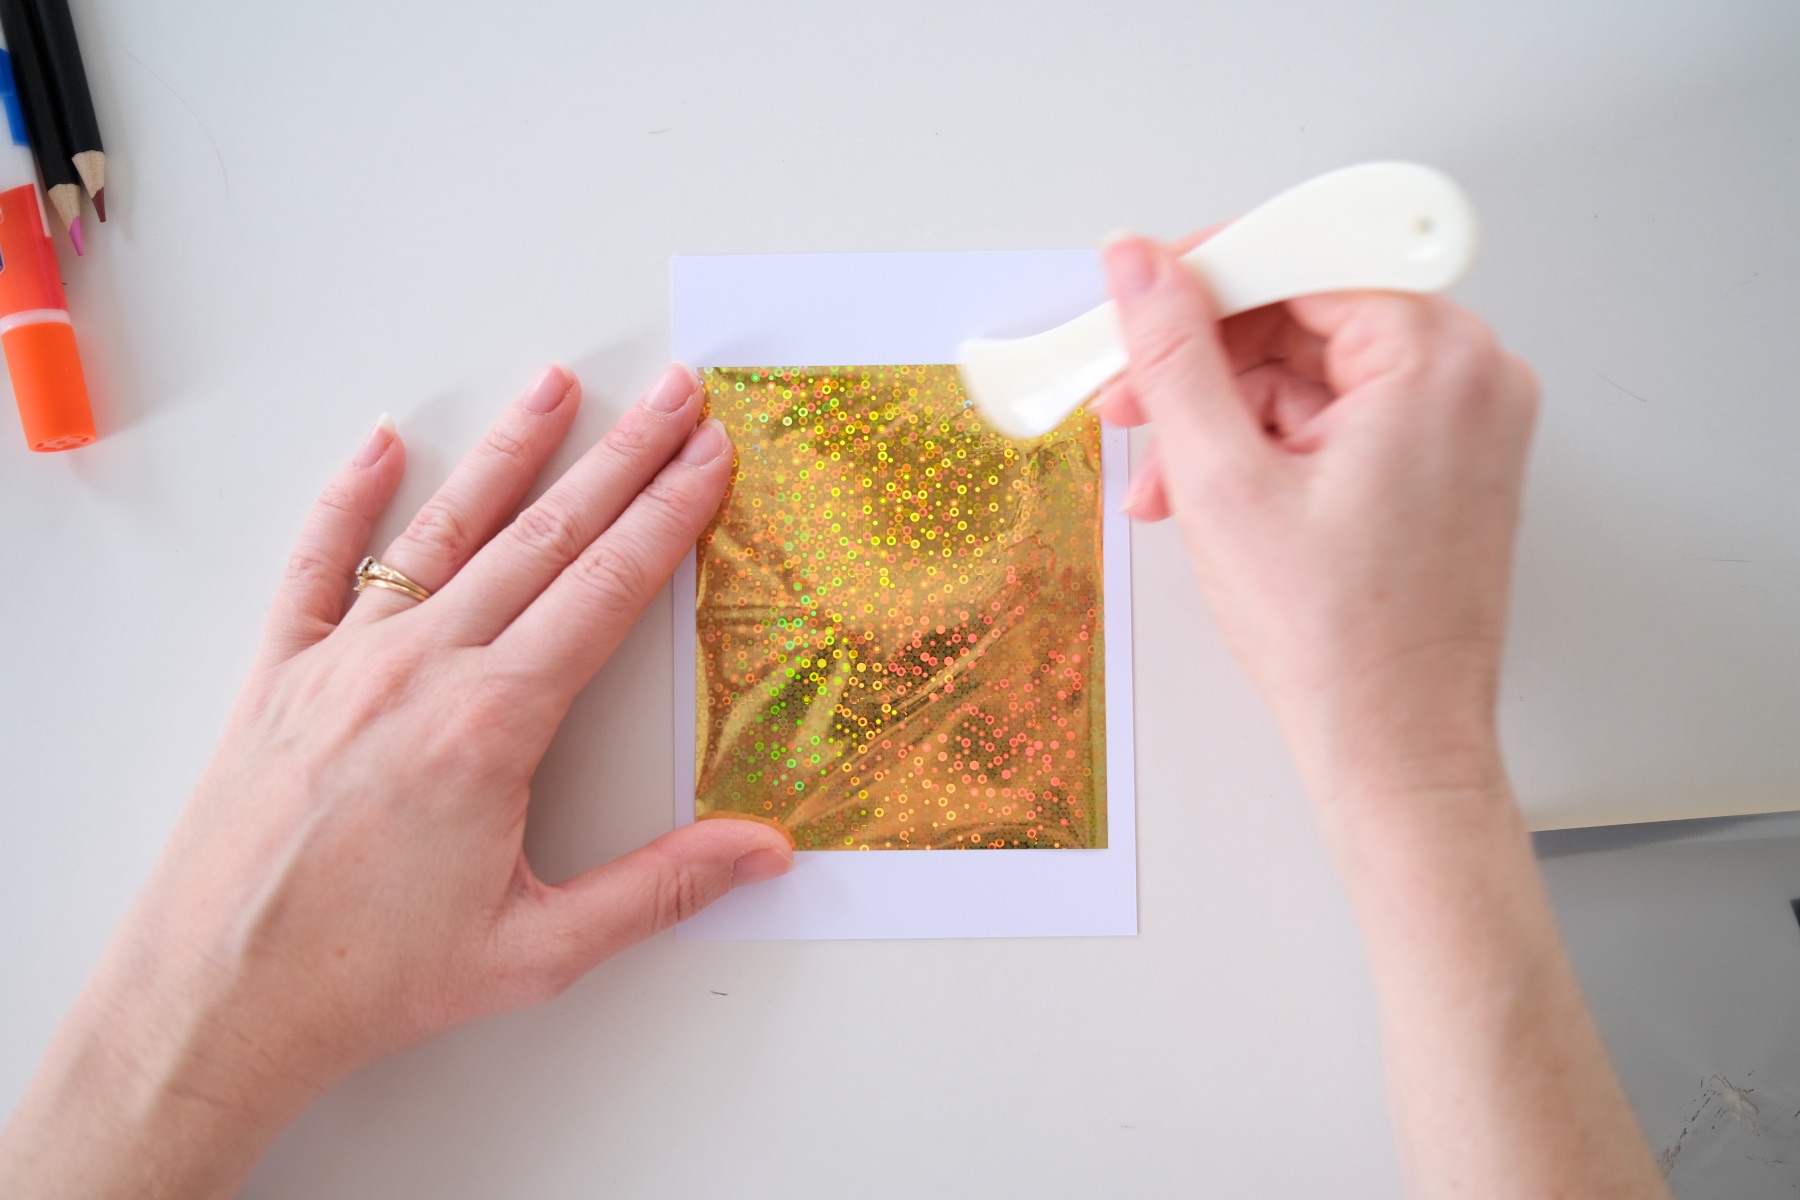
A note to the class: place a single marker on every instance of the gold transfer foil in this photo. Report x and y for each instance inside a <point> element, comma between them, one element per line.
<point>899,617</point>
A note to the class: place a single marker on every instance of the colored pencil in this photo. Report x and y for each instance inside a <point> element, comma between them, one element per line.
<point>35,330</point>
<point>55,164</point>
<point>67,79</point>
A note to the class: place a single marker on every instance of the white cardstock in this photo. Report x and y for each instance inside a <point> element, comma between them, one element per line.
<point>811,310</point>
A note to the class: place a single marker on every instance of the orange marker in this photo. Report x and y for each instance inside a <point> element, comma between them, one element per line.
<point>35,331</point>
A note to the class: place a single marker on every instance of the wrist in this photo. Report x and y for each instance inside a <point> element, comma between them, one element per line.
<point>1409,775</point>
<point>155,1067</point>
<point>1405,738</point>
<point>1430,849</point>
<point>1425,777</point>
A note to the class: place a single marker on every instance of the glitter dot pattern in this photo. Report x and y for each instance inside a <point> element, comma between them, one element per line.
<point>899,617</point>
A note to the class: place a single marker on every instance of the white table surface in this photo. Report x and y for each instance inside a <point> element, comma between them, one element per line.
<point>324,211</point>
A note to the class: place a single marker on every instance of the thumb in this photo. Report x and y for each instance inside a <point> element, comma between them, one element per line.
<point>579,924</point>
<point>1179,369</point>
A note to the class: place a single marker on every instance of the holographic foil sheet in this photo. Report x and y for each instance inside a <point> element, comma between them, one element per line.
<point>899,617</point>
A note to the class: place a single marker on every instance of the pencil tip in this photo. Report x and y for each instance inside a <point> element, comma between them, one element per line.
<point>75,235</point>
<point>100,205</point>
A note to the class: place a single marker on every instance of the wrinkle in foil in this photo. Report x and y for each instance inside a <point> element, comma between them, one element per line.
<point>899,622</point>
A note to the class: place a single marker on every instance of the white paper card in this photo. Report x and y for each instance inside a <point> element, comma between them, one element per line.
<point>845,309</point>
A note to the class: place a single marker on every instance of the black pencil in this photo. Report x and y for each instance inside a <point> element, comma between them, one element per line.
<point>67,80</point>
<point>53,159</point>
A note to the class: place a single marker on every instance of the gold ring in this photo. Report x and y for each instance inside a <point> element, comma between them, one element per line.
<point>370,573</point>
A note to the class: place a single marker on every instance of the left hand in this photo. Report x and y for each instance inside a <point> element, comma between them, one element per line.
<point>348,878</point>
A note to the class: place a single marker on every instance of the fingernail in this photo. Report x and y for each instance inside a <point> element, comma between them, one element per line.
<point>757,866</point>
<point>1130,268</point>
<point>380,438</point>
<point>704,444</point>
<point>1135,491</point>
<point>1096,403</point>
<point>670,392</point>
<point>551,389</point>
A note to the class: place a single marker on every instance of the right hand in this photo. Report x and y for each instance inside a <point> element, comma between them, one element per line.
<point>1346,471</point>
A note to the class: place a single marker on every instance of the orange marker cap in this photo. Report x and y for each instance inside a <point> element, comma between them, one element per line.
<point>48,384</point>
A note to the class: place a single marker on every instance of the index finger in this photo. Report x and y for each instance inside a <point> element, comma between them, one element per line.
<point>570,630</point>
<point>1182,245</point>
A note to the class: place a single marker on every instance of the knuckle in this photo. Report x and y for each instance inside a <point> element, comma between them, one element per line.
<point>548,532</point>
<point>1403,337</point>
<point>1354,348</point>
<point>1465,356</point>
<point>1406,330</point>
<point>462,737</point>
<point>482,720</point>
<point>441,532</point>
<point>1471,336</point>
<point>488,715</point>
<point>503,444</point>
<point>630,439</point>
<point>670,503</point>
<point>340,498</point>
<point>1416,312</point>
<point>679,892</point>
<point>615,574</point>
<point>385,682</point>
<point>305,568</point>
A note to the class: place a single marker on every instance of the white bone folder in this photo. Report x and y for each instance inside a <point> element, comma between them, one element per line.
<point>1386,226</point>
